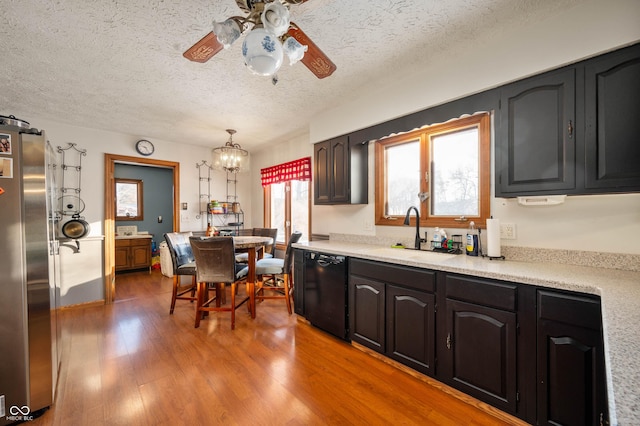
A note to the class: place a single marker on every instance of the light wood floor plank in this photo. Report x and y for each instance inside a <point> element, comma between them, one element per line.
<point>132,363</point>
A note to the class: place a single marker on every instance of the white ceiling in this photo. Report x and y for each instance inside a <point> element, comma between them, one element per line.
<point>118,65</point>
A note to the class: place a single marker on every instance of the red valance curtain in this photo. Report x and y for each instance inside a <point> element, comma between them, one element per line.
<point>293,170</point>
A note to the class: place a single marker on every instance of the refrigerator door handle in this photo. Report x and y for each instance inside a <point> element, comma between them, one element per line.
<point>54,248</point>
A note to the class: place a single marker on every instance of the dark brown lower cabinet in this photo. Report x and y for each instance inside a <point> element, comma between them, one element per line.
<point>411,328</point>
<point>479,338</point>
<point>392,311</point>
<point>532,352</point>
<point>570,366</point>
<point>482,353</point>
<point>366,312</point>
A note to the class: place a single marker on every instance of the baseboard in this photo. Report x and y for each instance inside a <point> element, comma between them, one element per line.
<point>83,305</point>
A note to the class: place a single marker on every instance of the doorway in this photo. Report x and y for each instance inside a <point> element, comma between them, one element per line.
<point>109,214</point>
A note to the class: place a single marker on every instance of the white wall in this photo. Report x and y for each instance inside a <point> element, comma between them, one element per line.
<point>607,223</point>
<point>81,280</point>
<point>604,223</point>
<point>272,155</point>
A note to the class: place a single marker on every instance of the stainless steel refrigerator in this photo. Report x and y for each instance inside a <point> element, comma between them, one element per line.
<point>29,332</point>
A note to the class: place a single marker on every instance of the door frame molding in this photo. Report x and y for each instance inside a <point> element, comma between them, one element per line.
<point>110,160</point>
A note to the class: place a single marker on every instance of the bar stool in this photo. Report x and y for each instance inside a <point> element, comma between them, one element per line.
<point>272,268</point>
<point>183,264</point>
<point>215,260</point>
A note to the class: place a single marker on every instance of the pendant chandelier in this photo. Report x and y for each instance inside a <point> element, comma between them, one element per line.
<point>231,157</point>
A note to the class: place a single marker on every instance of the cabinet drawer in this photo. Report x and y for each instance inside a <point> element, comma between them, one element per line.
<point>578,310</point>
<point>405,276</point>
<point>123,243</point>
<point>129,242</point>
<point>495,294</point>
<point>140,241</point>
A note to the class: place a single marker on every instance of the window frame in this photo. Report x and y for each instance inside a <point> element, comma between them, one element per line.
<point>480,120</point>
<point>139,200</point>
<point>287,214</point>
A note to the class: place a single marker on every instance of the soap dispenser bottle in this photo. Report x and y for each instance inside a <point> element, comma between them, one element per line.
<point>435,241</point>
<point>472,240</point>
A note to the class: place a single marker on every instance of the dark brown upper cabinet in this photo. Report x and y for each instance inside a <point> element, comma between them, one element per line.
<point>340,172</point>
<point>537,141</point>
<point>571,131</point>
<point>612,108</point>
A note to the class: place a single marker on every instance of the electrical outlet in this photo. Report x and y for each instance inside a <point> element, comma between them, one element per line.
<point>367,225</point>
<point>508,231</point>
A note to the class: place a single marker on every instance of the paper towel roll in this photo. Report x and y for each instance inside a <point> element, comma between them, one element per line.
<point>493,237</point>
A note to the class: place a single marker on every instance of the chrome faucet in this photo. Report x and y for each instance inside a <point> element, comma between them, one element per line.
<point>407,222</point>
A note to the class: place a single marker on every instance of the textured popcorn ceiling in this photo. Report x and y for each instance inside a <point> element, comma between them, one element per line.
<point>118,65</point>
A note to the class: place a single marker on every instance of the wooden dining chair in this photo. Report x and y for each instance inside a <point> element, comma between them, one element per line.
<point>216,267</point>
<point>269,251</point>
<point>268,270</point>
<point>183,264</point>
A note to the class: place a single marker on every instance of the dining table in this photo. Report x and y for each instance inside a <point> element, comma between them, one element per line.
<point>254,246</point>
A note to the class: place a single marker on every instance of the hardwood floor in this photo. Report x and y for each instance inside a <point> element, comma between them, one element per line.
<point>132,363</point>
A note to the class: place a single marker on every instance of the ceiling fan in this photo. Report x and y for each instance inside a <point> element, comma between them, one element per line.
<point>272,35</point>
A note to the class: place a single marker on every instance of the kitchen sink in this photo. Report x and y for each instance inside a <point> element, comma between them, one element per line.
<point>413,254</point>
<point>429,255</point>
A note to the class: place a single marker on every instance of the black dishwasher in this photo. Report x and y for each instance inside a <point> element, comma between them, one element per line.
<point>325,293</point>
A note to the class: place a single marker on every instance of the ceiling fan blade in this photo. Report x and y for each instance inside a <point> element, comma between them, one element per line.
<point>314,59</point>
<point>204,49</point>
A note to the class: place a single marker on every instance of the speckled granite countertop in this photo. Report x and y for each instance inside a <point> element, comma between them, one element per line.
<point>619,291</point>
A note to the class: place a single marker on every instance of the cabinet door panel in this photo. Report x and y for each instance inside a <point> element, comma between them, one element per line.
<point>481,357</point>
<point>536,141</point>
<point>340,168</point>
<point>367,314</point>
<point>140,256</point>
<point>122,258</point>
<point>570,363</point>
<point>613,128</point>
<point>569,370</point>
<point>322,173</point>
<point>411,328</point>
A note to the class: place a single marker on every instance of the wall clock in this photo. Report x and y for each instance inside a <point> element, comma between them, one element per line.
<point>144,147</point>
